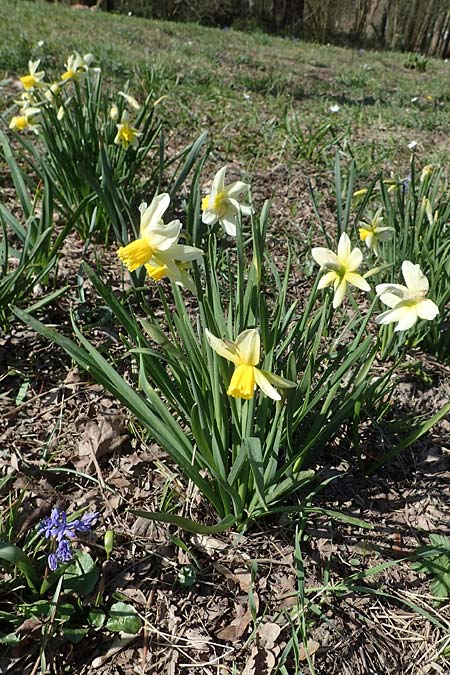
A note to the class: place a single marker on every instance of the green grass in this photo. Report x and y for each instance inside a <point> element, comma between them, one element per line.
<point>240,86</point>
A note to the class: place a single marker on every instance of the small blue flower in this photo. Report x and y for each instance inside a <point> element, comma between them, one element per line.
<point>56,527</point>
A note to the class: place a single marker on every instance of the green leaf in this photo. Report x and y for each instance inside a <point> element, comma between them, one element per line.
<point>14,555</point>
<point>81,575</point>
<point>74,633</point>
<point>123,618</point>
<point>186,523</point>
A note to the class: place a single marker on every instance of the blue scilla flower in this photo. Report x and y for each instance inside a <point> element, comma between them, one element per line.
<point>57,527</point>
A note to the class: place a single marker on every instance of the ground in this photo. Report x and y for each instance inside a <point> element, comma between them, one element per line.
<point>327,594</point>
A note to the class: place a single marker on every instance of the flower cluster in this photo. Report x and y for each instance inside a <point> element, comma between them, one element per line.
<point>61,531</point>
<point>76,69</point>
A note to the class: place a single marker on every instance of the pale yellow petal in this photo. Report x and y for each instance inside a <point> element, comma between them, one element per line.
<point>427,309</point>
<point>327,279</point>
<point>344,247</point>
<point>357,280</point>
<point>265,386</point>
<point>249,346</point>
<point>324,257</point>
<point>414,277</point>
<point>227,350</point>
<point>354,260</point>
<point>339,294</point>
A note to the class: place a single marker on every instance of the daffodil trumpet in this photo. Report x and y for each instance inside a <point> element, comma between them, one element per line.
<point>244,352</point>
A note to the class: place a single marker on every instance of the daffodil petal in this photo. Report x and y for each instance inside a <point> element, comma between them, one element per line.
<point>339,294</point>
<point>357,280</point>
<point>414,277</point>
<point>236,189</point>
<point>154,213</point>
<point>395,289</point>
<point>218,183</point>
<point>220,347</point>
<point>249,346</point>
<point>354,260</point>
<point>427,309</point>
<point>324,257</point>
<point>407,318</point>
<point>327,280</point>
<point>229,223</point>
<point>344,247</point>
<point>390,299</point>
<point>184,253</point>
<point>265,386</point>
<point>279,381</point>
<point>209,217</point>
<point>163,236</point>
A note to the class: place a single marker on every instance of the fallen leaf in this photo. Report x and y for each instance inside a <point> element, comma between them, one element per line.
<point>100,438</point>
<point>261,662</point>
<point>268,634</point>
<point>311,647</point>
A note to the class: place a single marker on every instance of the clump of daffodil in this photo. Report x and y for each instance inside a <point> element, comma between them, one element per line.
<point>340,269</point>
<point>34,78</point>
<point>223,203</point>
<point>77,67</point>
<point>126,134</point>
<point>245,354</point>
<point>28,119</point>
<point>158,244</point>
<point>407,303</point>
<point>372,231</point>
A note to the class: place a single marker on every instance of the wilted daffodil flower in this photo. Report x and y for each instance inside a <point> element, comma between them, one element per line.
<point>158,245</point>
<point>126,134</point>
<point>373,232</point>
<point>340,269</point>
<point>77,66</point>
<point>34,77</point>
<point>223,203</point>
<point>245,354</point>
<point>408,303</point>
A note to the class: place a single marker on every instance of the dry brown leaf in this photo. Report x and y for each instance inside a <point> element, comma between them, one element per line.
<point>208,544</point>
<point>237,627</point>
<point>261,662</point>
<point>268,634</point>
<point>99,438</point>
<point>311,647</point>
<point>241,578</point>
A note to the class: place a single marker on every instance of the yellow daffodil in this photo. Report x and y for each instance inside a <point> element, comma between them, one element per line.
<point>426,171</point>
<point>77,67</point>
<point>126,134</point>
<point>27,120</point>
<point>408,303</point>
<point>158,246</point>
<point>340,269</point>
<point>223,203</point>
<point>372,232</point>
<point>34,78</point>
<point>245,354</point>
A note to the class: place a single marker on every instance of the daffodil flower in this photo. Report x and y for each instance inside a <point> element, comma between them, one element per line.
<point>130,100</point>
<point>372,232</point>
<point>77,67</point>
<point>245,354</point>
<point>34,78</point>
<point>126,134</point>
<point>408,303</point>
<point>223,203</point>
<point>174,264</point>
<point>158,246</point>
<point>27,120</point>
<point>340,269</point>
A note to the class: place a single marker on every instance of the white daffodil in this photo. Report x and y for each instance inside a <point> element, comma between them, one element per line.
<point>126,134</point>
<point>412,145</point>
<point>77,66</point>
<point>372,231</point>
<point>334,108</point>
<point>27,120</point>
<point>158,245</point>
<point>245,354</point>
<point>34,79</point>
<point>130,100</point>
<point>408,303</point>
<point>340,269</point>
<point>223,204</point>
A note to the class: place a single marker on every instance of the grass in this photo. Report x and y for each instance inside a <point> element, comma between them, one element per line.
<point>266,105</point>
